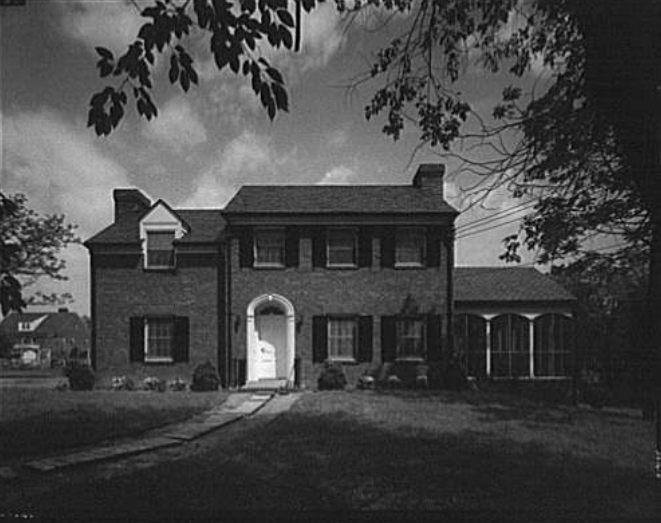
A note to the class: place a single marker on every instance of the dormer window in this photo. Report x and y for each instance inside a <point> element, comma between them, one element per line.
<point>160,249</point>
<point>24,326</point>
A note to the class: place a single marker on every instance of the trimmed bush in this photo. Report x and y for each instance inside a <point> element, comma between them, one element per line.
<point>122,383</point>
<point>205,378</point>
<point>177,385</point>
<point>81,376</point>
<point>332,377</point>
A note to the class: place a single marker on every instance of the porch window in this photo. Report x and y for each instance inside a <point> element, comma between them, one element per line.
<point>410,338</point>
<point>342,338</point>
<point>510,346</point>
<point>160,249</point>
<point>270,248</point>
<point>471,344</point>
<point>551,351</point>
<point>342,247</point>
<point>410,247</point>
<point>158,339</point>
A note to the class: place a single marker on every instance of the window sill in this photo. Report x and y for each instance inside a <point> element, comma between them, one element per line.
<point>160,269</point>
<point>268,266</point>
<point>410,266</point>
<point>410,359</point>
<point>159,360</point>
<point>341,266</point>
<point>344,361</point>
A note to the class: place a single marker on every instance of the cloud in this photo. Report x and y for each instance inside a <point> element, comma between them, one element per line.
<point>177,125</point>
<point>108,24</point>
<point>62,170</point>
<point>248,157</point>
<point>337,176</point>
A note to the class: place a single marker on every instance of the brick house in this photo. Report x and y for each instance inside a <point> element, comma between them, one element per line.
<point>279,281</point>
<point>45,339</point>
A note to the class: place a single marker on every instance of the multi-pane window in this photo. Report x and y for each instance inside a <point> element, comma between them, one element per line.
<point>410,247</point>
<point>342,338</point>
<point>342,247</point>
<point>510,346</point>
<point>270,247</point>
<point>160,249</point>
<point>551,351</point>
<point>158,339</point>
<point>410,338</point>
<point>470,343</point>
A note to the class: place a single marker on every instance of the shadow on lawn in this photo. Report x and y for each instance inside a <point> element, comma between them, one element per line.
<point>303,461</point>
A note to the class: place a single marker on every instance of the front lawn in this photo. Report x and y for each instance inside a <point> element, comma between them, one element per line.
<point>473,455</point>
<point>42,421</point>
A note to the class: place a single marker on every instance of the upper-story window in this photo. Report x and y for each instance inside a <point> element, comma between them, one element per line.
<point>410,247</point>
<point>270,247</point>
<point>160,249</point>
<point>342,247</point>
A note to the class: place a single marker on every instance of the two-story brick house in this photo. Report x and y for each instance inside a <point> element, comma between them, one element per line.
<point>281,280</point>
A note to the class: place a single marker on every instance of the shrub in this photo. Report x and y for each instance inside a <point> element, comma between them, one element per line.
<point>331,377</point>
<point>205,378</point>
<point>122,383</point>
<point>393,381</point>
<point>154,384</point>
<point>454,377</point>
<point>366,382</point>
<point>81,376</point>
<point>177,384</point>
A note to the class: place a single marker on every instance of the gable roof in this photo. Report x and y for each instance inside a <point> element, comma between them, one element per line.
<point>54,322</point>
<point>204,225</point>
<point>506,284</point>
<point>315,199</point>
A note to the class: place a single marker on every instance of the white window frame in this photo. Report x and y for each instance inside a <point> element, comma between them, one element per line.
<point>272,230</point>
<point>24,326</point>
<point>174,253</point>
<point>398,336</point>
<point>158,359</point>
<point>354,233</point>
<point>329,337</point>
<point>406,231</point>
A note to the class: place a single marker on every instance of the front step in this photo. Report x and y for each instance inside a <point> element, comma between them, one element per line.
<point>265,385</point>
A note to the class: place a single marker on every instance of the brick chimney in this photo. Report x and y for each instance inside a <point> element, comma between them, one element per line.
<point>129,203</point>
<point>430,176</point>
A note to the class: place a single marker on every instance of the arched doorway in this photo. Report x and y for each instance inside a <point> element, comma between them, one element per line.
<point>271,339</point>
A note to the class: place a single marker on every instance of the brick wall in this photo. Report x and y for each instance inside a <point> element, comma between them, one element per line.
<point>371,291</point>
<point>123,289</point>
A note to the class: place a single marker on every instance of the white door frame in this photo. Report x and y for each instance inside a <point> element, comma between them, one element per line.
<point>251,334</point>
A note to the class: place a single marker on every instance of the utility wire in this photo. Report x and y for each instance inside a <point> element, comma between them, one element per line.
<point>495,216</point>
<point>486,229</point>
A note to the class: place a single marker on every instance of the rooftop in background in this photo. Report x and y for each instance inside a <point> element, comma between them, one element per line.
<point>337,199</point>
<point>53,321</point>
<point>506,284</point>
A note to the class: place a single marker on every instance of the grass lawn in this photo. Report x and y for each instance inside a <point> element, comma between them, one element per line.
<point>471,454</point>
<point>43,421</point>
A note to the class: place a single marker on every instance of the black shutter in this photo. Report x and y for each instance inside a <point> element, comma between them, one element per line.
<point>388,247</point>
<point>180,340</point>
<point>291,246</point>
<point>433,247</point>
<point>319,339</point>
<point>246,247</point>
<point>388,338</point>
<point>365,339</point>
<point>137,339</point>
<point>364,247</point>
<point>434,340</point>
<point>319,247</point>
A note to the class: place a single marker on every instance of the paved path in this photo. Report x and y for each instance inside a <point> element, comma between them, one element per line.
<point>237,406</point>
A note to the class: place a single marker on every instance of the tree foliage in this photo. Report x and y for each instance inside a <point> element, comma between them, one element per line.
<point>29,248</point>
<point>237,32</point>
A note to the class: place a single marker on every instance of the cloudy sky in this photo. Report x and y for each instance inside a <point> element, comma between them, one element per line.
<point>206,143</point>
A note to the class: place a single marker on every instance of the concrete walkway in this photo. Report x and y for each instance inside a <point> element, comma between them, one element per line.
<point>237,406</point>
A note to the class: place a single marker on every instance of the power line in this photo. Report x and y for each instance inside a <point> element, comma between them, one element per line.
<point>486,229</point>
<point>495,216</point>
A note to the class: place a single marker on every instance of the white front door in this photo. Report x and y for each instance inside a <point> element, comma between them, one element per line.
<point>271,333</point>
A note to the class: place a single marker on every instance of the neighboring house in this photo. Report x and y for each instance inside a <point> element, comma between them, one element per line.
<point>45,339</point>
<point>280,281</point>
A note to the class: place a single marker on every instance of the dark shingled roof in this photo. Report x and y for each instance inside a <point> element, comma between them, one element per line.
<point>204,225</point>
<point>313,199</point>
<point>503,284</point>
<point>55,321</point>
